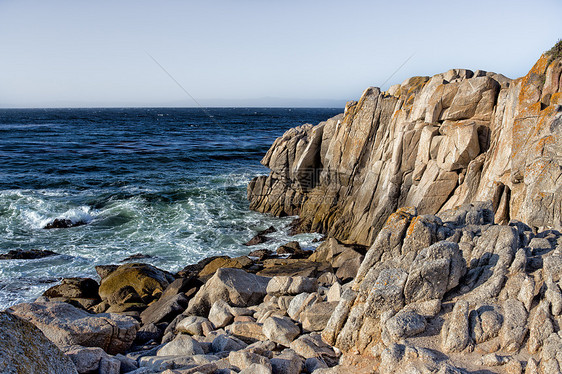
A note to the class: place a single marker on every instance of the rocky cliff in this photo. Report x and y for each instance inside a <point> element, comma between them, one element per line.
<point>431,142</point>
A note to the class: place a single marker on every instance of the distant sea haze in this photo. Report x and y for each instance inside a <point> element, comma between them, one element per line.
<point>169,183</point>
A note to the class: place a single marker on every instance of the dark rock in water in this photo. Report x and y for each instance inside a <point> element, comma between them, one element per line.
<point>74,288</point>
<point>104,270</point>
<point>318,240</point>
<point>258,239</point>
<point>293,249</point>
<point>261,237</point>
<point>62,223</point>
<point>136,256</point>
<point>261,254</point>
<point>289,248</point>
<point>269,230</point>
<point>32,254</point>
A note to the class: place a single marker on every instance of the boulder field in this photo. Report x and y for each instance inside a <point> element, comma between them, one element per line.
<point>440,203</point>
<point>447,293</point>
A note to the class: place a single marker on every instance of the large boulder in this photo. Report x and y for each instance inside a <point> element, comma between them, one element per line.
<point>235,286</point>
<point>67,325</point>
<point>148,281</point>
<point>24,349</point>
<point>81,292</point>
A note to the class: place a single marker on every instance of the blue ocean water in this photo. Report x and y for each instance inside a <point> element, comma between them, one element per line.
<point>165,182</point>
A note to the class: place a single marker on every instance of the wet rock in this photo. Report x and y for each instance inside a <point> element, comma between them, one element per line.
<point>292,250</point>
<point>25,349</point>
<point>66,325</point>
<point>74,288</point>
<point>261,254</point>
<point>80,292</point>
<point>62,223</point>
<point>136,256</point>
<point>19,254</point>
<point>261,237</point>
<point>104,270</point>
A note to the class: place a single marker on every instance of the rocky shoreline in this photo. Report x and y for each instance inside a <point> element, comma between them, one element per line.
<point>445,293</point>
<point>427,265</point>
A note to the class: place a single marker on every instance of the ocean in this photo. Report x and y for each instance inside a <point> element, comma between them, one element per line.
<point>169,183</point>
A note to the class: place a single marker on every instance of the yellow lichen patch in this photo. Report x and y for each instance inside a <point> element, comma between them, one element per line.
<point>411,228</point>
<point>544,119</point>
<point>556,99</point>
<point>543,142</point>
<point>532,83</point>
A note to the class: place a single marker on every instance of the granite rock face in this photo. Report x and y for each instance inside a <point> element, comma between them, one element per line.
<point>25,350</point>
<point>431,142</point>
<point>67,325</point>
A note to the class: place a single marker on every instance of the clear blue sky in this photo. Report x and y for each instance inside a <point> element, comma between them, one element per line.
<point>242,53</point>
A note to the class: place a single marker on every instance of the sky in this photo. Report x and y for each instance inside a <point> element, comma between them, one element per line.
<point>254,53</point>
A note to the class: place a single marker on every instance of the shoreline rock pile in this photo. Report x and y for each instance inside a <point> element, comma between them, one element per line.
<point>445,293</point>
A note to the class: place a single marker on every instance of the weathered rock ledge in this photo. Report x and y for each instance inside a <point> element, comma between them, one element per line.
<point>431,142</point>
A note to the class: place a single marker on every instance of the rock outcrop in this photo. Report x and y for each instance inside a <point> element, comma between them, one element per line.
<point>67,325</point>
<point>431,142</point>
<point>439,291</point>
<point>25,350</point>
